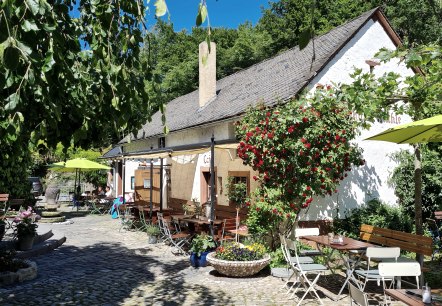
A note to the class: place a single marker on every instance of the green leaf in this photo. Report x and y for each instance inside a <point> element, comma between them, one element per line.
<point>202,15</point>
<point>12,102</point>
<point>33,5</point>
<point>25,49</point>
<point>29,26</point>
<point>115,102</point>
<point>161,8</point>
<point>11,57</point>
<point>165,130</point>
<point>304,38</point>
<point>49,62</point>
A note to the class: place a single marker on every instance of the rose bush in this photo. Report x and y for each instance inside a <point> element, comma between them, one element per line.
<point>301,150</point>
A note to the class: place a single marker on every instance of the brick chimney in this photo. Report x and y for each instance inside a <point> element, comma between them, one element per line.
<point>207,72</point>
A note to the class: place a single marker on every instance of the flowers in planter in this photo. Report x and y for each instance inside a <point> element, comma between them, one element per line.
<point>238,252</point>
<point>26,225</point>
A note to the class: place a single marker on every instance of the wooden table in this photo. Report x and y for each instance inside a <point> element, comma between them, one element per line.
<point>413,300</point>
<point>348,244</point>
<point>196,225</point>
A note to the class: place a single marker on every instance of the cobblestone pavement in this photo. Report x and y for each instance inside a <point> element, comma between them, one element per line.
<point>98,265</point>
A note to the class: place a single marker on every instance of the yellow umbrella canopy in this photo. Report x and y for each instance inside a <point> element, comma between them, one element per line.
<point>77,164</point>
<point>426,130</point>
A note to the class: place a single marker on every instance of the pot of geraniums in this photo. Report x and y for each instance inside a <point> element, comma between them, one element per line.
<point>200,246</point>
<point>238,260</point>
<point>153,232</point>
<point>237,194</point>
<point>26,229</point>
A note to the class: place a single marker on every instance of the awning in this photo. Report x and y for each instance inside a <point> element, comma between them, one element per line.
<point>190,149</point>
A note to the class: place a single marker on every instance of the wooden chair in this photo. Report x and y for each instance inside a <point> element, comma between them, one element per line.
<point>224,234</point>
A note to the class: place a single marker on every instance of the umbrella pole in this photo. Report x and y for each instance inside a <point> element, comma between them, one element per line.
<point>418,195</point>
<point>161,185</point>
<point>78,189</point>
<point>212,183</point>
<point>151,189</point>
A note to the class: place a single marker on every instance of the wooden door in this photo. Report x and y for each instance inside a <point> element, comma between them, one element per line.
<point>143,185</point>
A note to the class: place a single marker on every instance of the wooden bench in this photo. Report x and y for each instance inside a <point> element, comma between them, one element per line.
<point>391,238</point>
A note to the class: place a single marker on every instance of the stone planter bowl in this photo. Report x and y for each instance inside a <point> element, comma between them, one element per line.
<point>238,268</point>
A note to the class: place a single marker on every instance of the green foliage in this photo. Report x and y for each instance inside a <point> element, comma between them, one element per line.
<point>152,230</point>
<point>403,174</point>
<point>296,16</point>
<point>373,213</point>
<point>237,252</point>
<point>202,243</point>
<point>264,225</point>
<point>301,150</point>
<point>236,192</point>
<point>277,259</point>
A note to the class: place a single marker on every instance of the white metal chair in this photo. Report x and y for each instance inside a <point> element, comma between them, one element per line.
<point>289,258</point>
<point>357,296</point>
<point>301,271</point>
<point>391,270</point>
<point>309,231</point>
<point>376,253</point>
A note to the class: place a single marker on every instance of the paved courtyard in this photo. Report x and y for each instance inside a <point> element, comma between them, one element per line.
<point>98,265</point>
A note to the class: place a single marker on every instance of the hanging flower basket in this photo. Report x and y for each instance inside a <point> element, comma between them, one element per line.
<point>238,268</point>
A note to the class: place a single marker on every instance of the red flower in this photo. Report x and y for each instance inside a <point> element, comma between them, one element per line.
<point>307,145</point>
<point>303,140</point>
<point>270,135</point>
<point>337,137</point>
<point>291,129</point>
<point>268,114</point>
<point>308,188</point>
<point>305,120</point>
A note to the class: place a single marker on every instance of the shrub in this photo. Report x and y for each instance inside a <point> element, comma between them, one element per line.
<point>373,213</point>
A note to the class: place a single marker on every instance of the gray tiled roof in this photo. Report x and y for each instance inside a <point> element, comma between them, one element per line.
<point>276,79</point>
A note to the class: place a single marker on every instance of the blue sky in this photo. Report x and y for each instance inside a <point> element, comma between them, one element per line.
<point>222,13</point>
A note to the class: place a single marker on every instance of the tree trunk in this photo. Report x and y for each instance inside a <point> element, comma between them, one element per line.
<point>418,195</point>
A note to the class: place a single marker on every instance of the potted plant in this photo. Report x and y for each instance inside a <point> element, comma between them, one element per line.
<point>26,229</point>
<point>153,232</point>
<point>200,246</point>
<point>237,260</point>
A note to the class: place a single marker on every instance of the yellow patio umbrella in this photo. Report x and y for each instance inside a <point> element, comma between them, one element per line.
<point>426,130</point>
<point>77,164</point>
<point>422,131</point>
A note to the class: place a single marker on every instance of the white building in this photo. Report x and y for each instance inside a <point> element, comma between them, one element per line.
<point>213,109</point>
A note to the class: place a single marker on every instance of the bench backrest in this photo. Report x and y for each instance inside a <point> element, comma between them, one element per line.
<point>391,238</point>
<point>4,197</point>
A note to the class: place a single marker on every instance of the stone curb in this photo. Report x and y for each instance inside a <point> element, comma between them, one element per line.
<point>9,278</point>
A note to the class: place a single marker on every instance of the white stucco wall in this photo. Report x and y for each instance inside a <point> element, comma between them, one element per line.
<point>369,181</point>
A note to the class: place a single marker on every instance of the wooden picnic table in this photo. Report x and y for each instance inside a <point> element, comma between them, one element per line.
<point>414,300</point>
